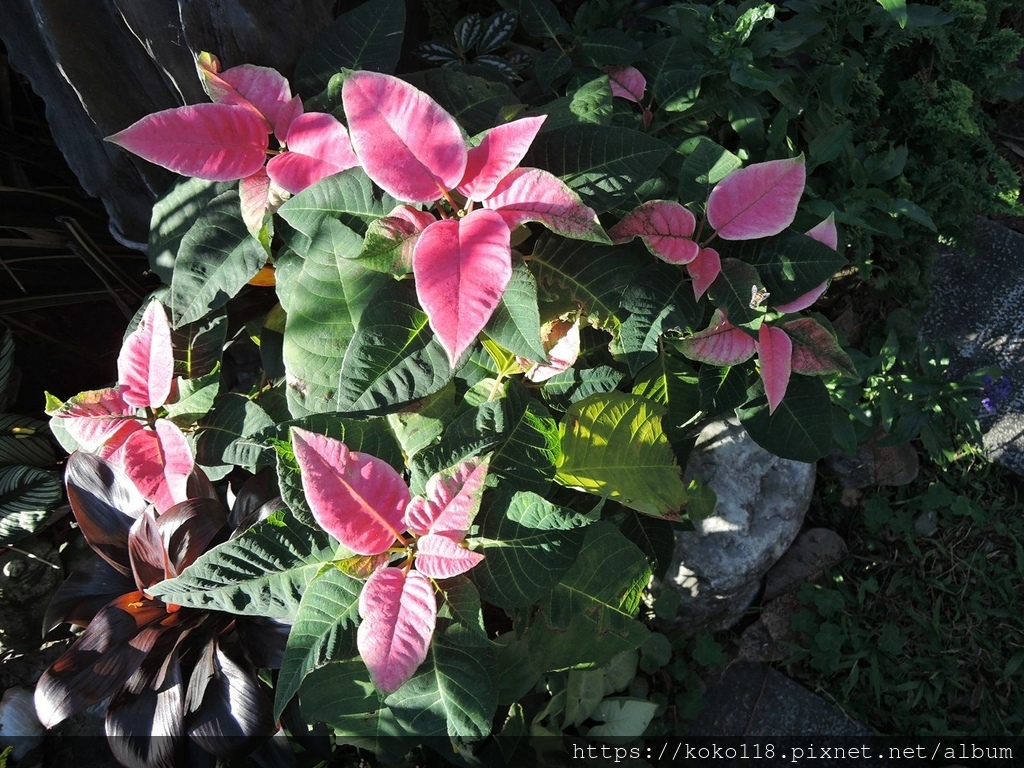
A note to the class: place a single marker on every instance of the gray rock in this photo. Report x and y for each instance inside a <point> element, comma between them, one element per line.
<point>762,499</point>
<point>975,307</point>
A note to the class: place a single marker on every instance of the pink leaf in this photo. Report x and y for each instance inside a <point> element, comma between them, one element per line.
<point>562,343</point>
<point>462,267</point>
<point>703,270</point>
<point>145,365</point>
<point>159,462</point>
<point>405,141</point>
<point>627,82</point>
<point>530,194</point>
<point>816,351</point>
<point>357,498</point>
<point>721,343</point>
<point>398,612</point>
<point>440,556</point>
<point>216,142</point>
<point>264,88</point>
<point>497,154</point>
<point>804,301</point>
<point>774,354</point>
<point>826,232</point>
<point>757,201</point>
<point>452,500</point>
<point>318,147</point>
<point>91,418</point>
<point>256,197</point>
<point>665,227</point>
<point>286,117</point>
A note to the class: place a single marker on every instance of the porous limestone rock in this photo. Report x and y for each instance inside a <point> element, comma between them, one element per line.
<point>762,499</point>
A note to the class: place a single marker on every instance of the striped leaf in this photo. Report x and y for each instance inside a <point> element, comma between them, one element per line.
<point>28,497</point>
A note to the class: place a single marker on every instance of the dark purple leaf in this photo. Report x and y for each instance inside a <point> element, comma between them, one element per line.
<point>255,492</point>
<point>198,485</point>
<point>145,718</point>
<point>146,551</point>
<point>108,652</point>
<point>105,503</point>
<point>263,640</point>
<point>89,587</point>
<point>235,716</point>
<point>190,528</point>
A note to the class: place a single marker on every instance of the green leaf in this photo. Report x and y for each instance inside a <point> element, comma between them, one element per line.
<point>541,19</point>
<point>454,692</point>
<point>657,300</point>
<point>528,545</point>
<point>174,215</point>
<point>519,431</point>
<point>324,296</point>
<point>705,165</point>
<point>475,103</point>
<point>418,428</point>
<point>234,435</point>
<point>623,719</point>
<point>572,274</point>
<point>25,441</point>
<point>603,164</point>
<point>731,291</point>
<point>722,388</point>
<point>348,197</point>
<point>655,538</point>
<point>28,496</point>
<point>216,258</point>
<point>609,47</point>
<point>613,445</point>
<point>195,399</point>
<point>198,346</point>
<point>515,324</point>
<point>675,385</point>
<point>914,212</point>
<point>801,427</point>
<point>575,384</point>
<point>674,73</point>
<point>367,37</point>
<point>898,9</point>
<point>324,629</point>
<point>262,572</point>
<point>394,357</point>
<point>790,264</point>
<point>592,103</point>
<point>588,618</point>
<point>338,689</point>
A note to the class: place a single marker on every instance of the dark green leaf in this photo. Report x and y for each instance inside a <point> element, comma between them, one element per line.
<point>25,441</point>
<point>575,384</point>
<point>515,324</point>
<point>176,213</point>
<point>477,104</point>
<point>28,497</point>
<point>609,47</point>
<point>801,427</point>
<point>541,19</point>
<point>705,165</point>
<point>657,300</point>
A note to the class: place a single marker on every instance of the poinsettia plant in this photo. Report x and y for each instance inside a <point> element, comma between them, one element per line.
<point>496,322</point>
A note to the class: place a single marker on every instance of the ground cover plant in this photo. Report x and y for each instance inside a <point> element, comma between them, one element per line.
<point>489,318</point>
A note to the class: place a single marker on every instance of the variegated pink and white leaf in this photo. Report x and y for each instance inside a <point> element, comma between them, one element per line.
<point>262,89</point>
<point>318,147</point>
<point>391,240</point>
<point>704,270</point>
<point>721,343</point>
<point>216,142</point>
<point>816,351</point>
<point>357,498</point>
<point>405,141</point>
<point>258,197</point>
<point>145,364</point>
<point>159,461</point>
<point>665,227</point>
<point>498,153</point>
<point>562,343</point>
<point>774,355</point>
<point>530,194</point>
<point>91,418</point>
<point>757,201</point>
<point>286,117</point>
<point>442,556</point>
<point>452,500</point>
<point>627,82</point>
<point>399,612</point>
<point>462,267</point>
<point>804,301</point>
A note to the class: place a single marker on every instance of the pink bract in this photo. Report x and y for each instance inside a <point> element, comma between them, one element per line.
<point>562,343</point>
<point>626,82</point>
<point>703,270</point>
<point>318,147</point>
<point>530,194</point>
<point>357,498</point>
<point>407,144</point>
<point>774,354</point>
<point>262,89</point>
<point>665,227</point>
<point>216,142</point>
<point>498,153</point>
<point>462,267</point>
<point>452,500</point>
<point>441,556</point>
<point>757,201</point>
<point>721,343</point>
<point>159,461</point>
<point>398,612</point>
<point>145,365</point>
